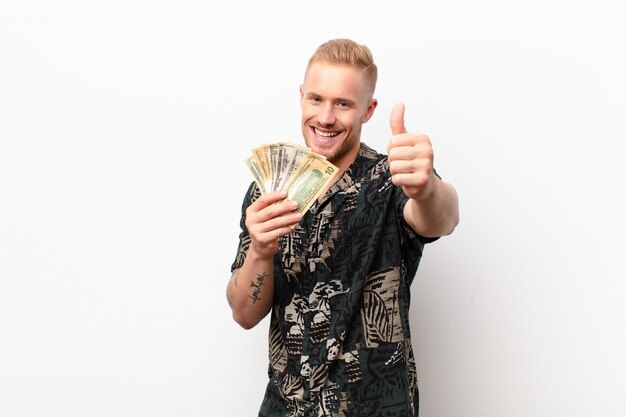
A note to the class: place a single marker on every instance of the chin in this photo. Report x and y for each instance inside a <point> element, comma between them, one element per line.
<point>328,152</point>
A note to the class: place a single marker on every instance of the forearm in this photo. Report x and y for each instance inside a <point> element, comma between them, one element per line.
<point>435,215</point>
<point>250,290</point>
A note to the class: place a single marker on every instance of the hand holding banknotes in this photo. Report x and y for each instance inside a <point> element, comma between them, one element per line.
<point>269,218</point>
<point>290,178</point>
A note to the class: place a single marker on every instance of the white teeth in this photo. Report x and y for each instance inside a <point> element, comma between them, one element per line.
<point>325,134</point>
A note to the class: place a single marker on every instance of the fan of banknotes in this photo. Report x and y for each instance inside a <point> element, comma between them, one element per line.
<point>296,169</point>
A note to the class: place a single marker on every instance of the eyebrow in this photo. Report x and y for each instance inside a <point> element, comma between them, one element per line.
<point>336,99</point>
<point>347,100</point>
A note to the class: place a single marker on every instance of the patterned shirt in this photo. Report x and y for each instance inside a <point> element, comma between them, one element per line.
<point>339,340</point>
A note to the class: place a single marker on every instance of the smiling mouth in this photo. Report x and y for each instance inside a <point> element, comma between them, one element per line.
<point>324,134</point>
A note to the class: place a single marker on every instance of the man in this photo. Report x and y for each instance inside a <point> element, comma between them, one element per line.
<point>338,283</point>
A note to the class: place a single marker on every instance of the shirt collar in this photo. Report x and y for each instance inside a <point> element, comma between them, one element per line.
<point>365,160</point>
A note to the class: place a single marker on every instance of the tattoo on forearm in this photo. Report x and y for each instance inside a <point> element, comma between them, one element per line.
<point>257,287</point>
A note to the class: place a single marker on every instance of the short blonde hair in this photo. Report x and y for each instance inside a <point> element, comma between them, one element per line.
<point>347,52</point>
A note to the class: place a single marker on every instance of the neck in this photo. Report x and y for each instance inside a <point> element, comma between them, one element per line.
<point>346,160</point>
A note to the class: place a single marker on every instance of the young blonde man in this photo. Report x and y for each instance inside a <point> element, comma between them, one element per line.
<point>338,284</point>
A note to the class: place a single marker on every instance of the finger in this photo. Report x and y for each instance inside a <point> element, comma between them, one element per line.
<point>396,120</point>
<point>280,226</point>
<point>410,165</point>
<point>268,199</point>
<point>275,234</point>
<point>274,227</point>
<point>412,179</point>
<point>409,140</point>
<point>276,212</point>
<point>409,146</point>
<point>402,167</point>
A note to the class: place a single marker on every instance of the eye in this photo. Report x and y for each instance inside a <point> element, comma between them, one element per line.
<point>343,105</point>
<point>314,99</point>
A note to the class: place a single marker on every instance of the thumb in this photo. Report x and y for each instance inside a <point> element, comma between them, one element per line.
<point>396,120</point>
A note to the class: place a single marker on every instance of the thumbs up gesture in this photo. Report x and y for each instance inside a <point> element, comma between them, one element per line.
<point>410,158</point>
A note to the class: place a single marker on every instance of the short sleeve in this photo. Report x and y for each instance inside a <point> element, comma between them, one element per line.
<point>411,243</point>
<point>406,230</point>
<point>244,237</point>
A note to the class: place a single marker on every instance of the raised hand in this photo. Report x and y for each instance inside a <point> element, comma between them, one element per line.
<point>410,158</point>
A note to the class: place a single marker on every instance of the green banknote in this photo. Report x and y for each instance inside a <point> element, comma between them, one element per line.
<point>291,167</point>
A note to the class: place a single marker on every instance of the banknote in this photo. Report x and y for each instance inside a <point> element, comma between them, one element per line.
<point>294,168</point>
<point>294,156</point>
<point>310,180</point>
<point>253,166</point>
<point>260,155</point>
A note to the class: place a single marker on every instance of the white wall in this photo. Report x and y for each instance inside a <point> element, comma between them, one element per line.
<point>123,125</point>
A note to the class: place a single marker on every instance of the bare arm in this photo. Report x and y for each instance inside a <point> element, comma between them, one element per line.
<point>250,289</point>
<point>435,215</point>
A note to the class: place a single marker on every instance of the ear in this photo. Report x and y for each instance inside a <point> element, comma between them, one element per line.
<point>369,112</point>
<point>301,92</point>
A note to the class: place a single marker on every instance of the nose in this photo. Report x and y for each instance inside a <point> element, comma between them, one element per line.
<point>326,117</point>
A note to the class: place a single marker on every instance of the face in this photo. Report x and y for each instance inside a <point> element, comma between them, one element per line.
<point>336,101</point>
